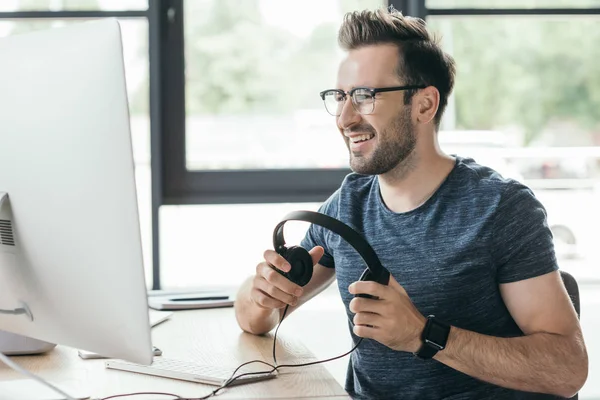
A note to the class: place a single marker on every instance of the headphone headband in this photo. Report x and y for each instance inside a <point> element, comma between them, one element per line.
<point>354,239</point>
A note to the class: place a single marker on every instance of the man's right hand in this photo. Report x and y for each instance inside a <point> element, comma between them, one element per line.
<point>270,289</point>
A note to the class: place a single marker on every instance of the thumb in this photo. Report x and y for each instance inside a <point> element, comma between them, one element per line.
<point>316,253</point>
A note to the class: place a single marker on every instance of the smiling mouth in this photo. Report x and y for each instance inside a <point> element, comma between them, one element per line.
<point>361,138</point>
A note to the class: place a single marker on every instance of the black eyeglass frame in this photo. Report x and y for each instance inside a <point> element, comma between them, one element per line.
<point>370,90</point>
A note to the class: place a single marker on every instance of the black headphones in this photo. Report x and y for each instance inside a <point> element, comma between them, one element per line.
<point>301,261</point>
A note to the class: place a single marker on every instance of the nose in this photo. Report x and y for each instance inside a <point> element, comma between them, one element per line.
<point>349,116</point>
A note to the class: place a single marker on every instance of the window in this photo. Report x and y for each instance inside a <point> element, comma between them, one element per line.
<point>253,73</point>
<point>245,106</point>
<point>220,244</point>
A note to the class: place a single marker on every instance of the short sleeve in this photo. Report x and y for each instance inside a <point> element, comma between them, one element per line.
<point>317,235</point>
<point>523,246</point>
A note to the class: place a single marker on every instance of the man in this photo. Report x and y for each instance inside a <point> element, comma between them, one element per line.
<point>461,242</point>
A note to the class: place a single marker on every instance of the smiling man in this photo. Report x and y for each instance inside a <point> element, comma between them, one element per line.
<point>475,307</point>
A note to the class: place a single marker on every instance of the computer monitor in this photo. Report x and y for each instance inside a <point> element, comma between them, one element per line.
<point>70,242</point>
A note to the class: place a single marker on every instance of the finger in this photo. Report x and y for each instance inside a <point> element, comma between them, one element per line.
<point>264,300</point>
<point>276,260</point>
<point>365,332</point>
<point>367,319</point>
<point>316,253</point>
<point>275,292</point>
<point>369,287</point>
<point>361,304</point>
<point>279,281</point>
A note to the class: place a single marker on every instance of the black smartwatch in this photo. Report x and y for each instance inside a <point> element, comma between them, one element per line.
<point>434,337</point>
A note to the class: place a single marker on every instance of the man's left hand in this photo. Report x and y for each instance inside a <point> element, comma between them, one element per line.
<point>391,319</point>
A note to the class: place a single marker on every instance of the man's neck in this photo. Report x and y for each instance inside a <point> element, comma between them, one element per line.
<point>414,181</point>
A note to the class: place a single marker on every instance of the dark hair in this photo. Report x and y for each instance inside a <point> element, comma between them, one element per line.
<point>422,61</point>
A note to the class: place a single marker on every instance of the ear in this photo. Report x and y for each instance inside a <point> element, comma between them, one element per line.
<point>425,104</point>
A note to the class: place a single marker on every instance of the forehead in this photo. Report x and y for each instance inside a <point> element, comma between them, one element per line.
<point>369,66</point>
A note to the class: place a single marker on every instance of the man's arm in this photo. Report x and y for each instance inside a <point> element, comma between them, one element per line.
<point>550,358</point>
<point>261,299</point>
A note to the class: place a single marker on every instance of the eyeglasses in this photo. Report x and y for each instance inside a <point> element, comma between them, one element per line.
<point>363,98</point>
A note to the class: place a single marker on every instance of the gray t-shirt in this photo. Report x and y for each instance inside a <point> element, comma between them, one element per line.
<point>450,254</point>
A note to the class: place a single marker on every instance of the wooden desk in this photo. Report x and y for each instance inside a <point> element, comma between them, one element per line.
<point>208,336</point>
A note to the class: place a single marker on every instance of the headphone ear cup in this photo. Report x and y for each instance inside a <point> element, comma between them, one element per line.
<point>302,265</point>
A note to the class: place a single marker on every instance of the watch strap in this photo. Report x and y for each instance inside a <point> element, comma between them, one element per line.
<point>432,345</point>
<point>426,352</point>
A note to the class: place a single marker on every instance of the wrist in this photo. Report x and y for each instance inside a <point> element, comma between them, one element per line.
<point>445,353</point>
<point>417,342</point>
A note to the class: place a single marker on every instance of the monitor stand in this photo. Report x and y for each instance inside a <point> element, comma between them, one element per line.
<point>12,344</point>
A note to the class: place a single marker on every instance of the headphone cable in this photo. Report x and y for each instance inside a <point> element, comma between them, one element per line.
<point>275,367</point>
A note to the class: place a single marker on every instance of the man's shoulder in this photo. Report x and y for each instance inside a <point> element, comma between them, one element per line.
<point>480,178</point>
<point>485,186</point>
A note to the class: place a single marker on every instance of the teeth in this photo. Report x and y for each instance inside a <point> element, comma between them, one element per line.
<point>361,138</point>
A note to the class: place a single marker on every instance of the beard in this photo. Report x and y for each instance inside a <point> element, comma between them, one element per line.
<point>395,144</point>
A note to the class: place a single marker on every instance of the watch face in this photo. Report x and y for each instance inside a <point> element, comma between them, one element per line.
<point>437,335</point>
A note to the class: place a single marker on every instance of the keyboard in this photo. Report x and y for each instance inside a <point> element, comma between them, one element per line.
<point>188,371</point>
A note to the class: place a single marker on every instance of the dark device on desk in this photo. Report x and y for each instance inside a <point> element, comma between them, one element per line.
<point>301,261</point>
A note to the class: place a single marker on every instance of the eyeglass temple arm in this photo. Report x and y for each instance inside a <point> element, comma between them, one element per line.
<point>391,89</point>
